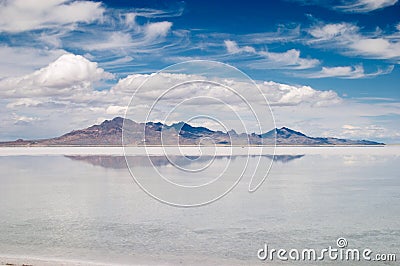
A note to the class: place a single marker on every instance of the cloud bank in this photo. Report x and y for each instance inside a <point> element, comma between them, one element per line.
<point>25,15</point>
<point>63,96</point>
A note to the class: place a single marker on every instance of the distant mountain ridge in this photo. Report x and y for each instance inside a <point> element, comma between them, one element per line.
<point>109,133</point>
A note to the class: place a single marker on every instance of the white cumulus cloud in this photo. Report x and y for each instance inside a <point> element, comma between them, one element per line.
<point>25,15</point>
<point>16,61</point>
<point>157,29</point>
<point>278,94</point>
<point>115,110</point>
<point>68,73</point>
<point>233,48</point>
<point>290,95</point>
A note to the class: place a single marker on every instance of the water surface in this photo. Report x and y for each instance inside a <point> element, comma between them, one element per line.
<point>87,207</point>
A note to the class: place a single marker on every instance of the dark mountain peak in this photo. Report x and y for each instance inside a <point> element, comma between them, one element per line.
<point>118,119</point>
<point>154,123</point>
<point>182,126</point>
<point>232,132</point>
<point>179,125</point>
<point>115,122</point>
<point>285,131</point>
<point>269,134</point>
<point>157,126</point>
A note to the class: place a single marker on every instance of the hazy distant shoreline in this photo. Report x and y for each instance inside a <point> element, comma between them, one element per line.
<point>195,150</point>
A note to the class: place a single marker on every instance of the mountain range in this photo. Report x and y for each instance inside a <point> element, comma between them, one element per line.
<point>109,133</point>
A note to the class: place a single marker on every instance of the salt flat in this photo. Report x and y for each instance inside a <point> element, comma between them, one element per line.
<point>203,150</point>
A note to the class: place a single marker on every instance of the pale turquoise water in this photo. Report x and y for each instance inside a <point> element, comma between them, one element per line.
<point>89,208</point>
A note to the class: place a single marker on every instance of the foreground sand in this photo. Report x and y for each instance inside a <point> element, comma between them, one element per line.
<point>26,261</point>
<point>14,261</point>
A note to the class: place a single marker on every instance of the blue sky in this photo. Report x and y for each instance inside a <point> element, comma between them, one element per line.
<point>349,49</point>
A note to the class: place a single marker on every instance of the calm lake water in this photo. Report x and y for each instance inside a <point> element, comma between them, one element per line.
<point>88,208</point>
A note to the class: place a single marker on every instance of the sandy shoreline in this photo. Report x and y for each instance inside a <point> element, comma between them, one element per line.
<point>8,260</point>
<point>31,261</point>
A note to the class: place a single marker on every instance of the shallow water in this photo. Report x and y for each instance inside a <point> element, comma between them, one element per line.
<point>88,207</point>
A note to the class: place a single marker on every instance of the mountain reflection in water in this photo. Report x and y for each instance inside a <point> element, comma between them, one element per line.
<point>119,162</point>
